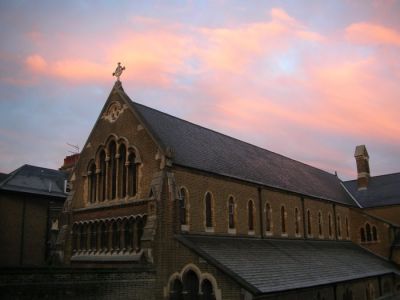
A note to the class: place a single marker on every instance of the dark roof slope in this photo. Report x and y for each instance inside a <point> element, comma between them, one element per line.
<point>3,176</point>
<point>267,265</point>
<point>204,149</point>
<point>36,180</point>
<point>382,190</point>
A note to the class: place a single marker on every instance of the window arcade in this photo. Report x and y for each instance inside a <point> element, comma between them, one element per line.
<point>113,175</point>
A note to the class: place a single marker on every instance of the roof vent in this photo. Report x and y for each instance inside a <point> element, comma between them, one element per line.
<point>362,161</point>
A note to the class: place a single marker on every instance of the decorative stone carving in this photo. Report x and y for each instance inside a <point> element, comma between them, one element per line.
<point>114,110</point>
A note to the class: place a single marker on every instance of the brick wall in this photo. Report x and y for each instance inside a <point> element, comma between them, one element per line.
<point>66,283</point>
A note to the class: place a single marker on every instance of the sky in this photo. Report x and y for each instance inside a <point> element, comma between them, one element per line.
<point>307,79</point>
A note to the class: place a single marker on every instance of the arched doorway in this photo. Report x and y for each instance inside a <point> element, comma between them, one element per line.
<point>207,290</point>
<point>176,290</point>
<point>191,286</point>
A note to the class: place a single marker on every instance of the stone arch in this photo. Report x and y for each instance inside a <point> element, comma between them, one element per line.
<point>210,278</point>
<point>191,287</point>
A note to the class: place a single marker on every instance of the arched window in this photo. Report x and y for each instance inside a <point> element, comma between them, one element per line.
<point>250,213</point>
<point>176,290</point>
<point>207,290</point>
<point>112,171</point>
<point>330,225</point>
<point>102,174</point>
<point>309,231</point>
<point>128,235</point>
<point>92,186</point>
<point>122,171</point>
<point>339,227</point>
<point>209,210</point>
<point>231,213</point>
<point>93,237</point>
<point>132,174</point>
<point>320,223</point>
<point>362,234</point>
<point>347,228</point>
<point>183,207</point>
<point>374,234</point>
<point>115,236</point>
<point>297,220</point>
<point>139,231</point>
<point>368,230</point>
<point>83,238</point>
<point>103,237</point>
<point>283,219</point>
<point>268,217</point>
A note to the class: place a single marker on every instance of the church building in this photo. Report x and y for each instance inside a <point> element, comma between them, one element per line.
<point>216,218</point>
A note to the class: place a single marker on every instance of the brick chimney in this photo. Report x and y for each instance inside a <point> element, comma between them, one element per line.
<point>362,161</point>
<point>69,162</point>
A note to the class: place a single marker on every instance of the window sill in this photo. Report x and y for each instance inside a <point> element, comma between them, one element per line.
<point>185,227</point>
<point>209,229</point>
<point>107,257</point>
<point>284,235</point>
<point>232,230</point>
<point>112,203</point>
<point>268,233</point>
<point>251,232</point>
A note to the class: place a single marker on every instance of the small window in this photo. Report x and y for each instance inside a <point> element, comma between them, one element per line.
<point>231,213</point>
<point>330,225</point>
<point>183,207</point>
<point>320,223</point>
<point>268,217</point>
<point>283,219</point>
<point>347,228</point>
<point>209,210</point>
<point>368,230</point>
<point>339,227</point>
<point>309,231</point>
<point>250,210</point>
<point>297,220</point>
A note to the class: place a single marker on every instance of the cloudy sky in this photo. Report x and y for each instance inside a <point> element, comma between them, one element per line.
<point>307,79</point>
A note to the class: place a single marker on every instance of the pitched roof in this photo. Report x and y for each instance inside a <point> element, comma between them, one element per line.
<point>204,149</point>
<point>381,191</point>
<point>3,176</point>
<point>268,265</point>
<point>35,180</point>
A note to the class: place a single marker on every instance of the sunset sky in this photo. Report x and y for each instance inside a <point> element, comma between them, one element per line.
<point>306,79</point>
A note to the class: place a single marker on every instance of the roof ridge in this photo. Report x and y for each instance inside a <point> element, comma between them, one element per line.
<point>382,175</point>
<point>233,138</point>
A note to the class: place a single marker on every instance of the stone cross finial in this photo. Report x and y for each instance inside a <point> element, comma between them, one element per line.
<point>118,71</point>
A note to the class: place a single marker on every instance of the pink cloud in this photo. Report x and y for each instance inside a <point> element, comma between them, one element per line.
<point>36,63</point>
<point>375,34</point>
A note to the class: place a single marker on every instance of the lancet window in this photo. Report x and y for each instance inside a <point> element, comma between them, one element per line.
<point>208,207</point>
<point>231,213</point>
<point>250,217</point>
<point>283,219</point>
<point>268,217</point>
<point>113,174</point>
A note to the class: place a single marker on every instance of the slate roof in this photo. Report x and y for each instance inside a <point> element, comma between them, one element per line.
<point>207,150</point>
<point>3,176</point>
<point>381,191</point>
<point>35,180</point>
<point>271,265</point>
